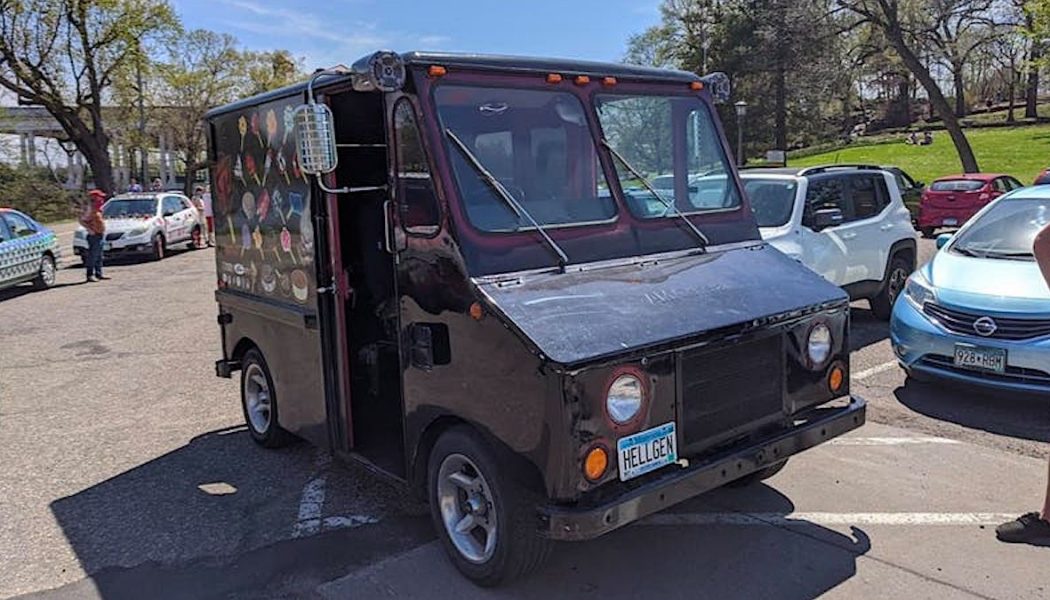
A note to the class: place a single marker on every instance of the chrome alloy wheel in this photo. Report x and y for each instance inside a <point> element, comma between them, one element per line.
<point>47,271</point>
<point>257,398</point>
<point>896,283</point>
<point>467,508</point>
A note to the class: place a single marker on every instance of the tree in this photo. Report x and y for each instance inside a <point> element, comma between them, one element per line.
<point>955,30</point>
<point>906,32</point>
<point>65,54</point>
<point>270,70</point>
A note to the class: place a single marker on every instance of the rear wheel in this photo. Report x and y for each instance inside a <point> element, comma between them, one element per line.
<point>260,402</point>
<point>882,304</point>
<point>45,278</point>
<point>159,247</point>
<point>196,239</point>
<point>759,475</point>
<point>486,520</point>
<point>927,232</point>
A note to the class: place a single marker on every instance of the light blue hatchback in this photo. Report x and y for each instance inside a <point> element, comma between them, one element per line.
<point>28,251</point>
<point>979,312</point>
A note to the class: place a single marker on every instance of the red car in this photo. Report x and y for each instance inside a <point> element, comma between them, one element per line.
<point>951,201</point>
<point>1043,178</point>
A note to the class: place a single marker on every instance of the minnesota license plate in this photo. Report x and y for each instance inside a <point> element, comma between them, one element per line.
<point>951,222</point>
<point>980,358</point>
<point>646,451</point>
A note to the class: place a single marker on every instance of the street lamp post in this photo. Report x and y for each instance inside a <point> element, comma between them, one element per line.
<point>741,112</point>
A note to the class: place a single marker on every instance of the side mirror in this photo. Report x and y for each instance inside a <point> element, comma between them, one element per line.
<point>169,213</point>
<point>920,184</point>
<point>315,139</point>
<point>824,218</point>
<point>943,239</point>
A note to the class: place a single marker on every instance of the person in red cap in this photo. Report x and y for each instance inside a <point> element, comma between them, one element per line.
<point>92,221</point>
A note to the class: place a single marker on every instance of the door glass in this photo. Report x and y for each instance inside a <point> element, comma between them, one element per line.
<point>4,235</point>
<point>868,197</point>
<point>417,202</point>
<point>826,193</point>
<point>999,185</point>
<point>19,226</point>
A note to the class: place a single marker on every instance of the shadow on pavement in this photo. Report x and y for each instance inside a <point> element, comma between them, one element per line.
<point>214,519</point>
<point>27,288</point>
<point>1003,413</point>
<point>866,330</point>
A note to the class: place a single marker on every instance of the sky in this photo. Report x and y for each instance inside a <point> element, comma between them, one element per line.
<point>324,33</point>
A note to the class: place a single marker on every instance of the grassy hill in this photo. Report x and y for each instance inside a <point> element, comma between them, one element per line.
<point>1019,151</point>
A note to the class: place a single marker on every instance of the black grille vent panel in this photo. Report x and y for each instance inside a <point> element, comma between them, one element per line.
<point>1006,328</point>
<point>727,390</point>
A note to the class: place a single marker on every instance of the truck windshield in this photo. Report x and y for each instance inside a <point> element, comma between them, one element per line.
<point>650,133</point>
<point>537,144</point>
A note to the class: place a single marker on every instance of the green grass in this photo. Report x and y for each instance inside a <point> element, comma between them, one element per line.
<point>1019,151</point>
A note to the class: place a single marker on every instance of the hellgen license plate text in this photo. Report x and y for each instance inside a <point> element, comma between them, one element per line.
<point>646,451</point>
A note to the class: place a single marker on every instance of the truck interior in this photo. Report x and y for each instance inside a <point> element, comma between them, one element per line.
<point>372,307</point>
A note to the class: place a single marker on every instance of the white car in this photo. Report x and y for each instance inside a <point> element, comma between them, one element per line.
<point>846,222</point>
<point>145,224</point>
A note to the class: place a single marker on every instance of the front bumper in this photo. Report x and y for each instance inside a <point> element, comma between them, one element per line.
<point>141,244</point>
<point>672,486</point>
<point>936,217</point>
<point>925,347</point>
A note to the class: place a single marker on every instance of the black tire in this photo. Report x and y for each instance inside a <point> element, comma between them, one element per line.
<point>896,276</point>
<point>759,475</point>
<point>271,435</point>
<point>160,248</point>
<point>45,277</point>
<point>519,549</point>
<point>196,237</point>
<point>927,232</point>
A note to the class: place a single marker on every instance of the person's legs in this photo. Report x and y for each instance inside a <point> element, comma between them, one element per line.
<point>94,250</point>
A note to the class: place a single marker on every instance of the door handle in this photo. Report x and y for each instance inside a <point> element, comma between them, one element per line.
<point>387,230</point>
<point>848,236</point>
<point>886,226</point>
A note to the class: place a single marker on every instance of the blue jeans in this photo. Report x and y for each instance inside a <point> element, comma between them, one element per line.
<point>93,258</point>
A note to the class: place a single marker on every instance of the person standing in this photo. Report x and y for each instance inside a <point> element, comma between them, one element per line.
<point>209,217</point>
<point>91,219</point>
<point>134,186</point>
<point>157,185</point>
<point>1033,527</point>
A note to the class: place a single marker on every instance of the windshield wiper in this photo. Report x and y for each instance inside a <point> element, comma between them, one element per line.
<point>670,206</point>
<point>506,196</point>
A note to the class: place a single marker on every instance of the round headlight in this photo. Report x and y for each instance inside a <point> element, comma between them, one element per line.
<point>624,399</point>
<point>818,346</point>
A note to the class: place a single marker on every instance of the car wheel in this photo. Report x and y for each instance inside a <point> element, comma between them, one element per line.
<point>195,239</point>
<point>45,278</point>
<point>159,247</point>
<point>759,475</point>
<point>882,305</point>
<point>486,520</point>
<point>259,402</point>
<point>927,232</point>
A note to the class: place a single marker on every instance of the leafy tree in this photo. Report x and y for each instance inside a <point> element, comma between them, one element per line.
<point>65,54</point>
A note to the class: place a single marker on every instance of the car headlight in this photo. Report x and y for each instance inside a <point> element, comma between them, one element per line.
<point>918,290</point>
<point>818,344</point>
<point>80,234</point>
<point>624,399</point>
<point>137,232</point>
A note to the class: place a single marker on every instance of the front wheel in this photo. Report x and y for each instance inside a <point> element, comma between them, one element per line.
<point>486,520</point>
<point>196,239</point>
<point>159,247</point>
<point>882,304</point>
<point>45,278</point>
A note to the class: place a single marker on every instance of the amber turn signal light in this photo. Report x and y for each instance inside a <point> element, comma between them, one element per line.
<point>595,463</point>
<point>553,78</point>
<point>437,71</point>
<point>477,312</point>
<point>608,81</point>
<point>836,377</point>
<point>582,80</point>
<point>696,85</point>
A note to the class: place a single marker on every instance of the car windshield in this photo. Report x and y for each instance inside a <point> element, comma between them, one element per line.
<point>771,200</point>
<point>671,145</point>
<point>1007,230</point>
<point>957,185</point>
<point>129,208</point>
<point>536,144</point>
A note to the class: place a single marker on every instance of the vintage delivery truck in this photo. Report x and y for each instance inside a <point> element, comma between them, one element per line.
<point>531,289</point>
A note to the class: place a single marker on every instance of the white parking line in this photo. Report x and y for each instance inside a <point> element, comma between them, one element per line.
<point>311,519</point>
<point>866,373</point>
<point>828,518</point>
<point>889,441</point>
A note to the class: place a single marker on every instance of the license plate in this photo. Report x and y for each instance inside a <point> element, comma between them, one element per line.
<point>646,451</point>
<point>979,358</point>
<point>951,222</point>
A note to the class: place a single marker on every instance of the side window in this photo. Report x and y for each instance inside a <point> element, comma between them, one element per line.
<point>417,202</point>
<point>4,235</point>
<point>171,205</point>
<point>826,193</point>
<point>18,226</point>
<point>1000,185</point>
<point>869,196</point>
<point>1013,184</point>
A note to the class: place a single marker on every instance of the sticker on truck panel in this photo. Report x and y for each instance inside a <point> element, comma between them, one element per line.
<point>646,451</point>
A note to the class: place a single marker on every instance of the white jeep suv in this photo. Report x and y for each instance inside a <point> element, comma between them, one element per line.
<point>846,222</point>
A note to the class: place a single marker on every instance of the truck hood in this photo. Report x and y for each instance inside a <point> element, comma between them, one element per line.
<point>580,316</point>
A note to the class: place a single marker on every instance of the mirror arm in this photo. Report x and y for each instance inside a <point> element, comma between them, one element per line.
<point>348,190</point>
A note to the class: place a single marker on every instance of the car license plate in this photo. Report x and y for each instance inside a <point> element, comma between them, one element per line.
<point>951,222</point>
<point>646,451</point>
<point>980,358</point>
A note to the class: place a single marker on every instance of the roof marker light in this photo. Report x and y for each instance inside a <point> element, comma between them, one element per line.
<point>582,80</point>
<point>696,85</point>
<point>608,81</point>
<point>437,71</point>
<point>553,78</point>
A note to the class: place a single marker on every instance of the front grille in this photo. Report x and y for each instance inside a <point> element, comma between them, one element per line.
<point>1006,328</point>
<point>729,390</point>
<point>114,236</point>
<point>1012,375</point>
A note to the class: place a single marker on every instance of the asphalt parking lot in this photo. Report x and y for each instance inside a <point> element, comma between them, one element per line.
<point>126,473</point>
